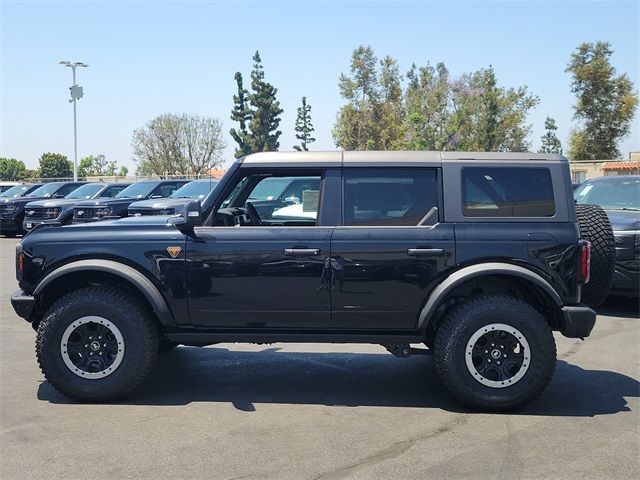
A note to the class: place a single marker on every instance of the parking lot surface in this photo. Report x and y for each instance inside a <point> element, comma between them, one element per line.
<point>310,411</point>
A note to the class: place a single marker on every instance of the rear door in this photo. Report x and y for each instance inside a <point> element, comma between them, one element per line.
<point>390,248</point>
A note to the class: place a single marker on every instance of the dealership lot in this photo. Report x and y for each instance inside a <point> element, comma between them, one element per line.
<point>321,412</point>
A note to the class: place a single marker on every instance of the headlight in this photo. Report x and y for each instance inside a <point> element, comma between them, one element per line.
<point>52,212</point>
<point>103,212</point>
<point>166,211</point>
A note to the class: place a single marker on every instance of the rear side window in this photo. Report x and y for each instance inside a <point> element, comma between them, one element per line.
<point>507,192</point>
<point>388,197</point>
<point>110,192</point>
<point>166,189</point>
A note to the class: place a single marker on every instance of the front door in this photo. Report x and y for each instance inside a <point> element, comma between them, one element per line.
<point>390,249</point>
<point>261,264</point>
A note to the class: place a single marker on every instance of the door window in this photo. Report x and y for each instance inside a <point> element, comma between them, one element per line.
<point>388,197</point>
<point>265,199</point>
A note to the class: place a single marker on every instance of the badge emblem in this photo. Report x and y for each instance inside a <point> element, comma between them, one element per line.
<point>174,251</point>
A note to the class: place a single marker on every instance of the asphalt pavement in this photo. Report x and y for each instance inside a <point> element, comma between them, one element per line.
<point>315,411</point>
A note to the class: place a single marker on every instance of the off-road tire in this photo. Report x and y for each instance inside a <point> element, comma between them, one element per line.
<point>456,330</point>
<point>119,307</point>
<point>595,227</point>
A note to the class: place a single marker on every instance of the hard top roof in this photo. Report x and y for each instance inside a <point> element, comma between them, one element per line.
<point>396,158</point>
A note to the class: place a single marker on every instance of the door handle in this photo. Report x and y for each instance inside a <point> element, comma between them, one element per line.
<point>301,252</point>
<point>425,252</point>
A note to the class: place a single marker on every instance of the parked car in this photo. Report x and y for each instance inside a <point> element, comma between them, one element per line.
<point>620,198</point>
<point>60,210</point>
<point>7,185</point>
<point>475,255</point>
<point>174,203</point>
<point>18,191</point>
<point>12,210</point>
<point>116,207</point>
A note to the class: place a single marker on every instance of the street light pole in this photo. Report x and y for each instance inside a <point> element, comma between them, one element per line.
<point>76,94</point>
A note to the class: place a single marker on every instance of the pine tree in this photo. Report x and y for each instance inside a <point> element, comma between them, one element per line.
<point>241,113</point>
<point>304,127</point>
<point>550,142</point>
<point>265,111</point>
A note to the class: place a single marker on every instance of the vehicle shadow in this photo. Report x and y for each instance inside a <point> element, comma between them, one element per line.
<point>245,379</point>
<point>623,307</point>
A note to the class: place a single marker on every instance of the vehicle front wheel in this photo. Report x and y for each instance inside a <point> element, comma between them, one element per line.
<point>495,352</point>
<point>96,344</point>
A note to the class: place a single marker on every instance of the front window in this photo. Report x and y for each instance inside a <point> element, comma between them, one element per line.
<point>137,190</point>
<point>85,191</point>
<point>265,199</point>
<point>507,192</point>
<point>112,191</point>
<point>15,191</point>
<point>198,189</point>
<point>611,195</point>
<point>45,190</point>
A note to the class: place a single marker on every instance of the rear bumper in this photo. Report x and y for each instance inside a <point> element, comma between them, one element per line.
<point>23,304</point>
<point>577,321</point>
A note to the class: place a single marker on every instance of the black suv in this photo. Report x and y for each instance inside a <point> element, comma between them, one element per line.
<point>116,207</point>
<point>476,256</point>
<point>619,196</point>
<point>60,210</point>
<point>174,203</point>
<point>12,211</point>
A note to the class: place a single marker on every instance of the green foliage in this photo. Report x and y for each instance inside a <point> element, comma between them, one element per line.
<point>433,111</point>
<point>304,127</point>
<point>12,169</point>
<point>550,142</point>
<point>123,171</point>
<point>241,113</point>
<point>96,165</point>
<point>606,103</point>
<point>258,113</point>
<point>178,144</point>
<point>55,165</point>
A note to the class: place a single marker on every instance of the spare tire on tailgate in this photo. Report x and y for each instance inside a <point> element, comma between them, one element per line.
<point>595,227</point>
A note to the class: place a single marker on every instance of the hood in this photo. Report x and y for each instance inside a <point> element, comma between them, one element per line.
<point>54,202</point>
<point>22,201</point>
<point>624,220</point>
<point>161,203</point>
<point>104,202</point>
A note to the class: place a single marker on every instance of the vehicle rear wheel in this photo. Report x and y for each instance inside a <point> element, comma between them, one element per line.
<point>595,227</point>
<point>96,344</point>
<point>494,352</point>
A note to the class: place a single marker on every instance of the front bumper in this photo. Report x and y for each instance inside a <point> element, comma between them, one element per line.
<point>9,225</point>
<point>30,224</point>
<point>23,304</point>
<point>626,278</point>
<point>577,321</point>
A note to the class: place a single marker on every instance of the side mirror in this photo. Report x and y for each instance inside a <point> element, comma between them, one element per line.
<point>190,217</point>
<point>156,196</point>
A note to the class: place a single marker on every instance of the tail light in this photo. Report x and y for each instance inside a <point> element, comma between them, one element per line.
<point>585,260</point>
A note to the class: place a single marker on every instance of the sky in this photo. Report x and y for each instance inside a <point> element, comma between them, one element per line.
<point>149,58</point>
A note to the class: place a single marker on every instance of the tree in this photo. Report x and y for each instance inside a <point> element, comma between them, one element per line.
<point>123,171</point>
<point>178,144</point>
<point>433,111</point>
<point>356,127</point>
<point>241,113</point>
<point>12,169</point>
<point>550,142</point>
<point>265,111</point>
<point>304,127</point>
<point>606,103</point>
<point>96,165</point>
<point>55,165</point>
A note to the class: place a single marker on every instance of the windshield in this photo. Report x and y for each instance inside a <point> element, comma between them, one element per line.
<point>137,190</point>
<point>198,189</point>
<point>615,195</point>
<point>15,191</point>
<point>270,188</point>
<point>45,190</point>
<point>85,191</point>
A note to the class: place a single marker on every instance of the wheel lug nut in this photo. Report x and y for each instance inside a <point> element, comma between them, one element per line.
<point>498,360</point>
<point>488,360</point>
<point>106,345</point>
<point>86,346</point>
<point>486,351</point>
<point>493,344</point>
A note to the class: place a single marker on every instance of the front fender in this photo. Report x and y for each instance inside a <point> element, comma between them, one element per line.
<point>126,272</point>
